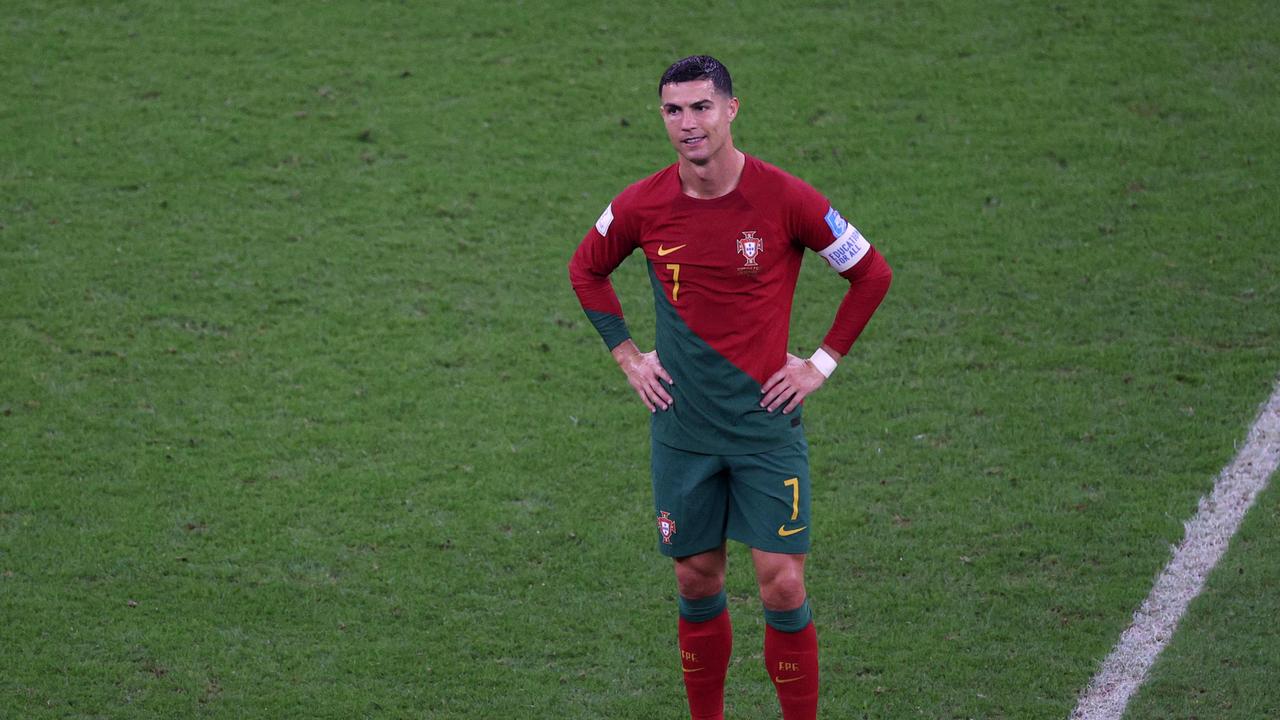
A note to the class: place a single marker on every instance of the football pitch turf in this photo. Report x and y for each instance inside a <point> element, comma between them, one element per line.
<point>300,418</point>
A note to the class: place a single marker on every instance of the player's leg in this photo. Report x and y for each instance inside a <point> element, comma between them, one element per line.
<point>790,640</point>
<point>691,499</point>
<point>706,634</point>
<point>769,510</point>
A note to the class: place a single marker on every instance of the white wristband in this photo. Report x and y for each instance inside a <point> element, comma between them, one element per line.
<point>824,362</point>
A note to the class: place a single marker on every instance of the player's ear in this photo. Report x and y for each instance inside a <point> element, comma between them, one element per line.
<point>733,108</point>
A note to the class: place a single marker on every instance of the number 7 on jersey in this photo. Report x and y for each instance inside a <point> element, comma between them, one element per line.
<point>675,280</point>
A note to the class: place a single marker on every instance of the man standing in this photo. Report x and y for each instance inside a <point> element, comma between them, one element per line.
<point>724,235</point>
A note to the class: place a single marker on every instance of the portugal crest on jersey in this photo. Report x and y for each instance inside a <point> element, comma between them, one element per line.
<point>750,246</point>
<point>666,526</point>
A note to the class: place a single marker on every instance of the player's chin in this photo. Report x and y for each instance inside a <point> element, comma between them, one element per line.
<point>697,155</point>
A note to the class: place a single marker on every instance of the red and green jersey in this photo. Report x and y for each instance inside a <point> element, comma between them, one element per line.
<point>724,273</point>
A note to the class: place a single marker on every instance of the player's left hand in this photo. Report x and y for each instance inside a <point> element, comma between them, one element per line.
<point>793,382</point>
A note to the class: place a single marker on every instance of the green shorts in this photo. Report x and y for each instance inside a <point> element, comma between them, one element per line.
<point>760,500</point>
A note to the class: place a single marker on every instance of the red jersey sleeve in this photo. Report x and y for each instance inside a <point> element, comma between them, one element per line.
<point>821,228</point>
<point>603,248</point>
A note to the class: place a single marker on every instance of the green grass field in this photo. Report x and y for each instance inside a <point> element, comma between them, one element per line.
<point>300,418</point>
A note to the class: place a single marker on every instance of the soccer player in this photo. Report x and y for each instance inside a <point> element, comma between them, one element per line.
<point>723,234</point>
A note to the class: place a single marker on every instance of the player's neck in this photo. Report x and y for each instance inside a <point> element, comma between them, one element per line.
<point>715,178</point>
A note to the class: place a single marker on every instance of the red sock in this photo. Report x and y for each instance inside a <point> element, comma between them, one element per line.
<point>704,655</point>
<point>792,660</point>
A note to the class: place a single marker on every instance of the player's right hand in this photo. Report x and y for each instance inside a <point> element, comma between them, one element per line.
<point>645,373</point>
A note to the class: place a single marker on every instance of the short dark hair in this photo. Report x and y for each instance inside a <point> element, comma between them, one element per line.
<point>698,67</point>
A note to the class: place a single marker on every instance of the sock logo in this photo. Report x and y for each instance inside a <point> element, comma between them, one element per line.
<point>784,666</point>
<point>687,658</point>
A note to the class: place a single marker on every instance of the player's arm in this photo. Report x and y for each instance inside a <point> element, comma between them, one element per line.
<point>869,277</point>
<point>604,248</point>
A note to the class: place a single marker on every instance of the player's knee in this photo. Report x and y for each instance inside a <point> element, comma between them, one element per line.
<point>694,582</point>
<point>700,577</point>
<point>782,590</point>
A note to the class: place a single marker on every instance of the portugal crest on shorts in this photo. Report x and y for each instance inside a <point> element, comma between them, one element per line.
<point>750,246</point>
<point>666,526</point>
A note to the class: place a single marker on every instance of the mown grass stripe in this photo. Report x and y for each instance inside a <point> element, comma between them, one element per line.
<point>1207,537</point>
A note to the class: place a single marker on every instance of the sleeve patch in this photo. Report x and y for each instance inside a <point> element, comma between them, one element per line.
<point>837,224</point>
<point>847,250</point>
<point>606,219</point>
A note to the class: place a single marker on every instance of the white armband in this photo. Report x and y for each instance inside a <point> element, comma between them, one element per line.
<point>824,362</point>
<point>847,250</point>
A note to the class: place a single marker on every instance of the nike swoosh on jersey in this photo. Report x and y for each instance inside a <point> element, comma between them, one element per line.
<point>663,252</point>
<point>784,681</point>
<point>691,669</point>
<point>784,532</point>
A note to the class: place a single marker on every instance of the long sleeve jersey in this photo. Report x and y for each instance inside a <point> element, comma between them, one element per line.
<point>724,274</point>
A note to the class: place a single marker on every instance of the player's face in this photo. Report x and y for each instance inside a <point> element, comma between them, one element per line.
<point>698,118</point>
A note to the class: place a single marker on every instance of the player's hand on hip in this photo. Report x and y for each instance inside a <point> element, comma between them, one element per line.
<point>791,384</point>
<point>645,373</point>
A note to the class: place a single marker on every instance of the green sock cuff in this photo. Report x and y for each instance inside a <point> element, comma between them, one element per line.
<point>790,621</point>
<point>703,609</point>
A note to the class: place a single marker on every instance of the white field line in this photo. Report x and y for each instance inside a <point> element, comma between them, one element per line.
<point>1207,536</point>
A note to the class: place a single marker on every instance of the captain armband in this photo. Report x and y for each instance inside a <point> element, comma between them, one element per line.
<point>847,250</point>
<point>824,362</point>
